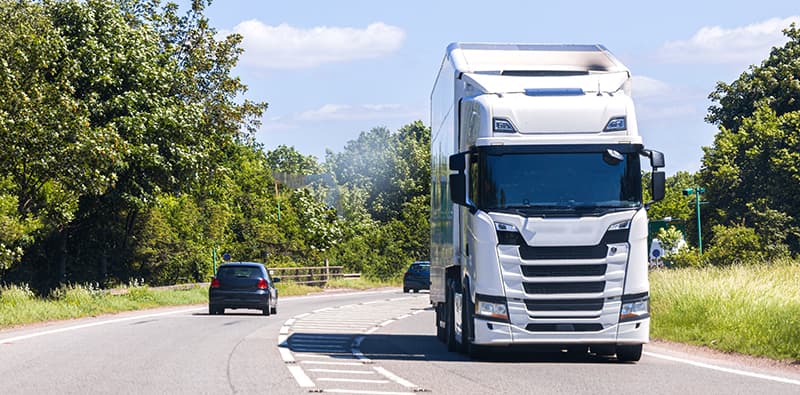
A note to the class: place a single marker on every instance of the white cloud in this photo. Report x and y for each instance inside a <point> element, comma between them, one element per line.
<point>360,112</point>
<point>657,100</point>
<point>289,47</point>
<point>643,87</point>
<point>717,45</point>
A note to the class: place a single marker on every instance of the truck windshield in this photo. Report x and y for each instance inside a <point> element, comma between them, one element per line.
<point>575,183</point>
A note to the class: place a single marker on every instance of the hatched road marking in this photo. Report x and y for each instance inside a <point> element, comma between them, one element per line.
<point>332,337</point>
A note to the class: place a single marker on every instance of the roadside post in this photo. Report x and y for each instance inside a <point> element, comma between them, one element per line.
<point>697,192</point>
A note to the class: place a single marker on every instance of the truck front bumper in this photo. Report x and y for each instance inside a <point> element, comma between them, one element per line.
<point>492,333</point>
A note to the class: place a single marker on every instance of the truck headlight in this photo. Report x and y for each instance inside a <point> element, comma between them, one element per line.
<point>492,310</point>
<point>634,309</point>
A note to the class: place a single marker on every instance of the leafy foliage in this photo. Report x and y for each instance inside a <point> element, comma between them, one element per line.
<point>752,170</point>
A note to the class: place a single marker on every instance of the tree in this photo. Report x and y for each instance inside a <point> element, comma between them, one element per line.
<point>775,84</point>
<point>751,171</point>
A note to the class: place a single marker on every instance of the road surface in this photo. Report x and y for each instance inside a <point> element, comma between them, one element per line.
<point>376,342</point>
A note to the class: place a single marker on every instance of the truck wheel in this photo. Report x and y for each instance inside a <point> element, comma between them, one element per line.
<point>629,353</point>
<point>441,333</point>
<point>450,318</point>
<point>467,325</point>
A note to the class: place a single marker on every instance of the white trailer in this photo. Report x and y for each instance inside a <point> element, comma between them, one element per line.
<point>538,228</point>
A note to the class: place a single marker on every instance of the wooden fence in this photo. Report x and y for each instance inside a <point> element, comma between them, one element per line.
<point>317,275</point>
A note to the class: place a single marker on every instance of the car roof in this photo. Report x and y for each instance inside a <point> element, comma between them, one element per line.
<point>250,264</point>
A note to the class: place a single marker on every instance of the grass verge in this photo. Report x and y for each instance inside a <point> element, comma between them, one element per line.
<point>751,310</point>
<point>20,306</point>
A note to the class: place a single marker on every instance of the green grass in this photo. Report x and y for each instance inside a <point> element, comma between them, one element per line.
<point>19,305</point>
<point>752,310</point>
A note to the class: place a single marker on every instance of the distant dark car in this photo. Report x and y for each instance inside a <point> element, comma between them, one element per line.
<point>418,276</point>
<point>243,285</point>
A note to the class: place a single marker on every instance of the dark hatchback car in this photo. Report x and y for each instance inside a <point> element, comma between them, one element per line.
<point>243,285</point>
<point>418,276</point>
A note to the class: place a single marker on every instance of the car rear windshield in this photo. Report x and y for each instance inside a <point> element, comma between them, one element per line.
<point>239,272</point>
<point>419,268</point>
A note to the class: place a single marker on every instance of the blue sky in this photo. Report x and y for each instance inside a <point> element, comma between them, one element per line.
<point>331,69</point>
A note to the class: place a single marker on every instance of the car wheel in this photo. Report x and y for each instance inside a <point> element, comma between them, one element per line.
<point>220,310</point>
<point>405,290</point>
<point>416,290</point>
<point>629,353</point>
<point>212,310</point>
<point>273,310</point>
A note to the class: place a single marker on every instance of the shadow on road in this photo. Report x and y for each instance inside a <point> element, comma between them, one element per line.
<point>402,347</point>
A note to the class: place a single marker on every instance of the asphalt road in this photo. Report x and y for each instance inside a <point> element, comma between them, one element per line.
<point>359,343</point>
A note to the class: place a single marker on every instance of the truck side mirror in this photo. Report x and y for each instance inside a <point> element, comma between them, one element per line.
<point>658,185</point>
<point>458,188</point>
<point>656,159</point>
<point>458,162</point>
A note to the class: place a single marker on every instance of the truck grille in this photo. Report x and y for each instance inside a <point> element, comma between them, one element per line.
<point>564,288</point>
<point>563,270</point>
<point>564,304</point>
<point>564,327</point>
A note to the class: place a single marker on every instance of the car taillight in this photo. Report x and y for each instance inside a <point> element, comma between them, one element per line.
<point>214,283</point>
<point>262,283</point>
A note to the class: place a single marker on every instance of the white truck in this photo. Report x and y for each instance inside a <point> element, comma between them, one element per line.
<point>538,228</point>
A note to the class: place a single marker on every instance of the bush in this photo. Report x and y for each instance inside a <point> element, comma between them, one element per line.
<point>685,257</point>
<point>14,295</point>
<point>75,294</point>
<point>735,245</point>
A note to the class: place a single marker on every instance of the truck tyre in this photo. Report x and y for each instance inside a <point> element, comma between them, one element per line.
<point>629,353</point>
<point>441,333</point>
<point>450,318</point>
<point>468,327</point>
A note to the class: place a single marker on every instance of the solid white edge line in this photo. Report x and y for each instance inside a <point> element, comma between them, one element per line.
<point>403,316</point>
<point>372,330</point>
<point>723,369</point>
<point>300,376</point>
<point>391,376</point>
<point>289,322</point>
<point>93,324</point>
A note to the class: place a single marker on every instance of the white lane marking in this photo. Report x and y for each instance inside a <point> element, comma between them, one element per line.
<point>300,376</point>
<point>299,316</point>
<point>322,309</point>
<point>341,371</point>
<point>319,341</point>
<point>722,369</point>
<point>319,336</point>
<point>372,330</point>
<point>286,354</point>
<point>326,355</point>
<point>282,340</point>
<point>289,322</point>
<point>363,381</point>
<point>418,312</point>
<point>397,379</point>
<point>338,391</point>
<point>403,316</point>
<point>319,347</point>
<point>93,324</point>
<point>332,363</point>
<point>284,330</point>
<point>387,322</point>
